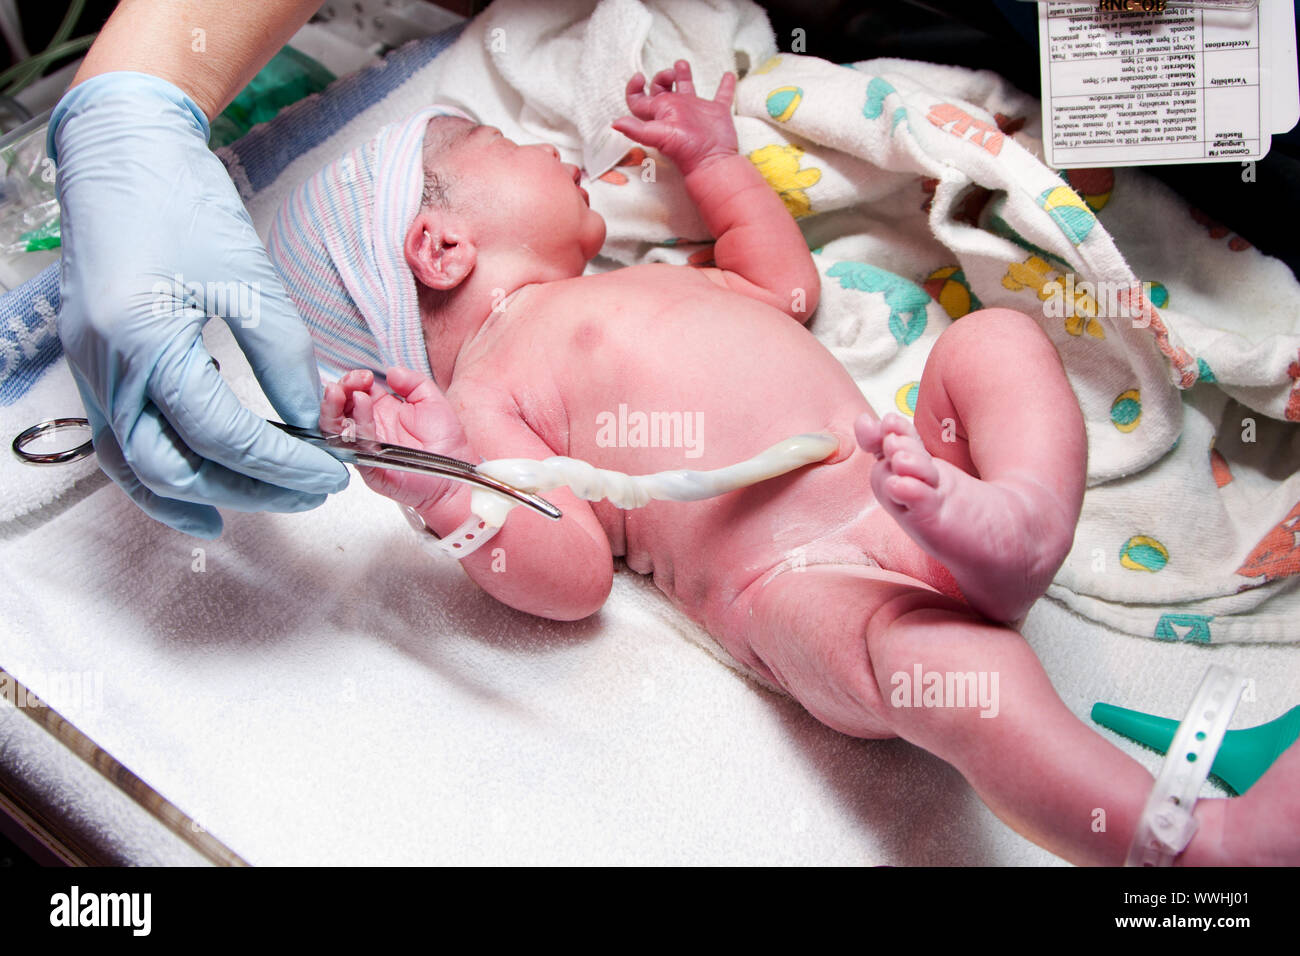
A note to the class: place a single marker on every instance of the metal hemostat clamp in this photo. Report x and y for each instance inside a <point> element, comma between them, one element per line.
<point>352,451</point>
<point>375,454</point>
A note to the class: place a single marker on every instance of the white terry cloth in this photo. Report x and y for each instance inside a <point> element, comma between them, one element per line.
<point>560,69</point>
<point>90,811</point>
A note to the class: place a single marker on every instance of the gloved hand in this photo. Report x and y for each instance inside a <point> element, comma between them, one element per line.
<point>156,240</point>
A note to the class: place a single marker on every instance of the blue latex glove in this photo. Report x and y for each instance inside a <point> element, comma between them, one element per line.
<point>156,240</point>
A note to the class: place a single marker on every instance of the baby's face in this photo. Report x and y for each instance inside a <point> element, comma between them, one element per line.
<point>525,197</point>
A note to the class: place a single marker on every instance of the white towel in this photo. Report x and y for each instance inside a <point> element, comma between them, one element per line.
<point>558,70</point>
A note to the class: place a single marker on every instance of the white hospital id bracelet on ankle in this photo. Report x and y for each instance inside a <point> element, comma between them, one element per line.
<point>465,540</point>
<point>1167,824</point>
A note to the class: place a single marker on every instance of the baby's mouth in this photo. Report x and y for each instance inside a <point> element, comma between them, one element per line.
<point>577,181</point>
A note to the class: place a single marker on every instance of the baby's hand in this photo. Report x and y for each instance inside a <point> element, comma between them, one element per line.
<point>689,130</point>
<point>420,418</point>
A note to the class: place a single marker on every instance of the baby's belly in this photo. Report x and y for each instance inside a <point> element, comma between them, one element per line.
<point>710,556</point>
<point>727,377</point>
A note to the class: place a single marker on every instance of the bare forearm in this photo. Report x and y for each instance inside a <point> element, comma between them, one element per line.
<point>757,238</point>
<point>208,48</point>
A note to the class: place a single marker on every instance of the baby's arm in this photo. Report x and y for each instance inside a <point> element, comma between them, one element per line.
<point>760,250</point>
<point>561,570</point>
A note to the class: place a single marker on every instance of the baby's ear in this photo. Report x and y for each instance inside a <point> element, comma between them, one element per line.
<point>439,255</point>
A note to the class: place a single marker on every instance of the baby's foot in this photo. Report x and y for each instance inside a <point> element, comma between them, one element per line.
<point>1003,541</point>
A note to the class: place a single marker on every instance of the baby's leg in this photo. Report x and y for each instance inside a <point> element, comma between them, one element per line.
<point>1034,763</point>
<point>848,643</point>
<point>990,480</point>
<point>1041,769</point>
<point>805,630</point>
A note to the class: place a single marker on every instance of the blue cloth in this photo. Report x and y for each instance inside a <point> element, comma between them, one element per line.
<point>29,342</point>
<point>265,150</point>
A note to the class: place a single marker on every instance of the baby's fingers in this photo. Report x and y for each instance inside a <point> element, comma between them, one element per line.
<point>364,383</point>
<point>331,409</point>
<point>413,386</point>
<point>652,134</point>
<point>358,380</point>
<point>663,82</point>
<point>637,101</point>
<point>338,405</point>
<point>361,409</point>
<point>726,89</point>
<point>685,84</point>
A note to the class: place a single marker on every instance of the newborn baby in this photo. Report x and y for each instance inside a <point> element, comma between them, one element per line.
<point>900,552</point>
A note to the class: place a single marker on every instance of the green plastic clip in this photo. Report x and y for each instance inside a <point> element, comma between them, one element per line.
<point>1242,759</point>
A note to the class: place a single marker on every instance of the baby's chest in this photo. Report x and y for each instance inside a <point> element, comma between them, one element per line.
<point>636,296</point>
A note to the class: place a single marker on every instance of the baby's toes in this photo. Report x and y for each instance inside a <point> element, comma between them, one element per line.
<point>880,475</point>
<point>908,458</point>
<point>910,493</point>
<point>896,424</point>
<point>869,434</point>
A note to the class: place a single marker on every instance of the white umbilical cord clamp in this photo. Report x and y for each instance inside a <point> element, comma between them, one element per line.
<point>1167,824</point>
